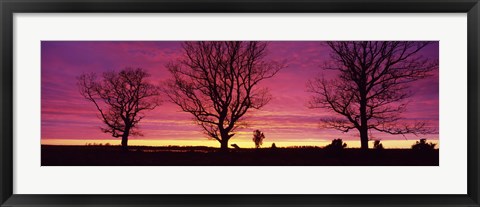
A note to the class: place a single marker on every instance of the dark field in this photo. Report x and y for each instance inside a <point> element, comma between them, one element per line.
<point>206,156</point>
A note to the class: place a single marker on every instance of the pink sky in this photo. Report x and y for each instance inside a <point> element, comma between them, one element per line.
<point>67,115</point>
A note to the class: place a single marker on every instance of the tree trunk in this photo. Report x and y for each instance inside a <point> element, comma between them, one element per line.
<point>125,139</point>
<point>224,145</point>
<point>363,117</point>
<point>364,137</point>
<point>224,142</point>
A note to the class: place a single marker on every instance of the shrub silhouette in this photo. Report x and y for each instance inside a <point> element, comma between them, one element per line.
<point>337,144</point>
<point>274,146</point>
<point>423,145</point>
<point>377,145</point>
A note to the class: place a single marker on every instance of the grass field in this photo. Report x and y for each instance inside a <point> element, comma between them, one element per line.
<point>207,156</point>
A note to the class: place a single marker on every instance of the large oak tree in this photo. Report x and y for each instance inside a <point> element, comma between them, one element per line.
<point>120,98</point>
<point>218,83</point>
<point>371,87</point>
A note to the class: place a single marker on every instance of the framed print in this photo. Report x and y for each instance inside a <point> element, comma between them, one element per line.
<point>199,103</point>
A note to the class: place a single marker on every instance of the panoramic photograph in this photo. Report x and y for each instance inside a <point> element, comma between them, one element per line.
<point>240,103</point>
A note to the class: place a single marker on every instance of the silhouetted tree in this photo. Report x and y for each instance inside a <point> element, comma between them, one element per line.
<point>258,137</point>
<point>218,83</point>
<point>120,98</point>
<point>370,90</point>
<point>423,145</point>
<point>337,144</point>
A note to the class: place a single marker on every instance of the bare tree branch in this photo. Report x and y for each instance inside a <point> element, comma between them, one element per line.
<point>120,98</point>
<point>217,82</point>
<point>371,88</point>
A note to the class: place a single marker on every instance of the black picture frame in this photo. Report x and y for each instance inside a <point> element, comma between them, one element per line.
<point>10,7</point>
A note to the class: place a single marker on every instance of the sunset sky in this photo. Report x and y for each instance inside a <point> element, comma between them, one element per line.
<point>67,118</point>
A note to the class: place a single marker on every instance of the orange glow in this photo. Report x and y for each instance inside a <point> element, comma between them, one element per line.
<point>213,143</point>
<point>67,118</point>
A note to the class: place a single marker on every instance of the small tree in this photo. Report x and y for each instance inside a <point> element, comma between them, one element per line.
<point>120,98</point>
<point>258,137</point>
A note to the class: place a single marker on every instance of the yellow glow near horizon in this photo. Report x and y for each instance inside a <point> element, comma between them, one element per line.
<point>214,143</point>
